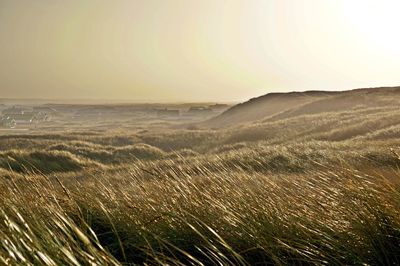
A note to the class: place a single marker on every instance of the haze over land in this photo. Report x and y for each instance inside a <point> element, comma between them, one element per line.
<point>120,143</point>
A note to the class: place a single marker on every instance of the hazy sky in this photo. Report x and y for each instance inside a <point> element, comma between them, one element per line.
<point>187,50</point>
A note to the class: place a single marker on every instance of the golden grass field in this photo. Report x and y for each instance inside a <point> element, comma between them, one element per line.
<point>313,183</point>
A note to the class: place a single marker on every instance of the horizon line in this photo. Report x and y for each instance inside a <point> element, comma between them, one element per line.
<point>132,101</point>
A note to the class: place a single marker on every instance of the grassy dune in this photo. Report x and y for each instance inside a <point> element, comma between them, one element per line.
<point>321,187</point>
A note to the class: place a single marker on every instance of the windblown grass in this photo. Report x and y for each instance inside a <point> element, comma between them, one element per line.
<point>336,216</point>
<point>304,189</point>
<point>44,162</point>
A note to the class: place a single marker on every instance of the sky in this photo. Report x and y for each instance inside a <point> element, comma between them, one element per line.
<point>190,50</point>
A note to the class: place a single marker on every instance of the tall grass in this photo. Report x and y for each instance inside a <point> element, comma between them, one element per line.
<point>312,189</point>
<point>335,216</point>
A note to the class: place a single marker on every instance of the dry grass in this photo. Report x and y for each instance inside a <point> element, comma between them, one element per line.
<point>311,189</point>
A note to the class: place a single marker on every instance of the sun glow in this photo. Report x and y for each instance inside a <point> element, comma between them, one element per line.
<point>148,50</point>
<point>376,22</point>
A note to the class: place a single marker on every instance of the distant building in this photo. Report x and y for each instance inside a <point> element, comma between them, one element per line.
<point>41,116</point>
<point>44,113</point>
<point>168,113</point>
<point>22,119</point>
<point>7,122</point>
<point>218,107</point>
<point>199,110</point>
<point>13,110</point>
<point>45,109</point>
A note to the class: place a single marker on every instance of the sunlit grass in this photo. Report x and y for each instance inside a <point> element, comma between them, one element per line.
<point>315,189</point>
<point>337,215</point>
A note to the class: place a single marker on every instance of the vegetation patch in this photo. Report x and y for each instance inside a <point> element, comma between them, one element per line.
<point>42,162</point>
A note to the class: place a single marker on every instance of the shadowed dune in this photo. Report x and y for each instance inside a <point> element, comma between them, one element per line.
<point>42,162</point>
<point>275,106</point>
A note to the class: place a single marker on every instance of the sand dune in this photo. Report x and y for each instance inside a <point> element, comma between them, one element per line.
<point>274,106</point>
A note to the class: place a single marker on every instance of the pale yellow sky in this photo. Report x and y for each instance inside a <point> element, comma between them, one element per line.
<point>186,50</point>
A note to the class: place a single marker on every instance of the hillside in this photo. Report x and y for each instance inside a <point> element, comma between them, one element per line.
<point>314,181</point>
<point>274,106</point>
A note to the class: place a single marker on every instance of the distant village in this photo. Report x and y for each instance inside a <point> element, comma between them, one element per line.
<point>25,116</point>
<point>203,111</point>
<point>29,117</point>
